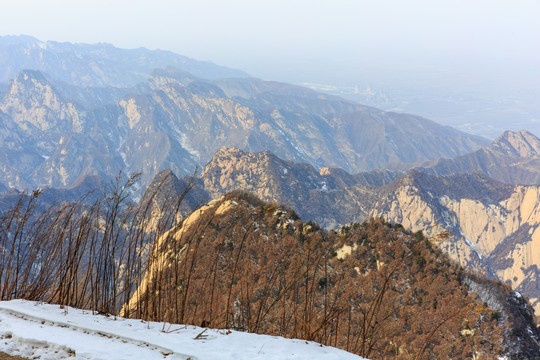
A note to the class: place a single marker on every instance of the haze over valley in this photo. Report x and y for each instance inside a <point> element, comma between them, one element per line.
<point>365,177</point>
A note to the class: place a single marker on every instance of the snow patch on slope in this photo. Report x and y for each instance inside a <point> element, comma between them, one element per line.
<point>36,330</point>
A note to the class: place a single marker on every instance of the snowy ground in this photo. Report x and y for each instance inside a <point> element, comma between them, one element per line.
<point>42,331</point>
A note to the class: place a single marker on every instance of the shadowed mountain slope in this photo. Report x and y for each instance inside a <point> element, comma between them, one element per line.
<point>372,289</point>
<point>514,158</point>
<point>129,115</point>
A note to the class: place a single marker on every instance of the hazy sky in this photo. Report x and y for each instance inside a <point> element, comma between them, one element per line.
<point>299,36</point>
<point>420,52</point>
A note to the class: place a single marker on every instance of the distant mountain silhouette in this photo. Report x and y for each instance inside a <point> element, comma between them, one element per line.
<point>96,65</point>
<point>514,157</point>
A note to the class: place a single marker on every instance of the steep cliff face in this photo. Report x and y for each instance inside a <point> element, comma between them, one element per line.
<point>50,141</point>
<point>485,225</point>
<point>31,101</point>
<point>494,230</point>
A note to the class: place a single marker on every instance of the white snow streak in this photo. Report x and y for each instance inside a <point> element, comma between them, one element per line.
<point>44,331</point>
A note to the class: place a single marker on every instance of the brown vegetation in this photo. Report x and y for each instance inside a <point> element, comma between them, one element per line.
<point>240,263</point>
<point>4,356</point>
<point>89,256</point>
<point>255,267</point>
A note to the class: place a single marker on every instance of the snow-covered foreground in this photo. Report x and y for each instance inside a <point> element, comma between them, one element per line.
<point>44,331</point>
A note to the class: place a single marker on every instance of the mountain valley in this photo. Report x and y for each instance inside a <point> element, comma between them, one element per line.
<point>482,224</point>
<point>146,178</point>
<point>178,120</point>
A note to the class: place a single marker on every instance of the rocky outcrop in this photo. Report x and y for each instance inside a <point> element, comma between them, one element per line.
<point>330,196</point>
<point>484,225</point>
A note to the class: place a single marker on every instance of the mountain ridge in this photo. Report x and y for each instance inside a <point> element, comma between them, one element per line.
<point>89,64</point>
<point>514,157</point>
<point>244,243</point>
<point>178,121</point>
<point>486,225</point>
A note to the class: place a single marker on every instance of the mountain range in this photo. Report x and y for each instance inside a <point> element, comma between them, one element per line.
<point>102,117</point>
<point>483,224</point>
<point>75,117</point>
<point>98,65</point>
<point>58,130</point>
<point>514,158</point>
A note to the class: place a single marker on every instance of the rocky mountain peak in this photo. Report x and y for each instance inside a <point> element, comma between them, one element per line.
<point>227,163</point>
<point>30,83</point>
<point>232,158</point>
<point>512,158</point>
<point>232,169</point>
<point>31,99</point>
<point>521,143</point>
<point>228,152</point>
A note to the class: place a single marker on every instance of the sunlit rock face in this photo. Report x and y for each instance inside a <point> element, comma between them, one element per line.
<point>494,230</point>
<point>485,225</point>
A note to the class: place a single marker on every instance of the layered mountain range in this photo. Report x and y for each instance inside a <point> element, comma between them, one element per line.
<point>514,158</point>
<point>483,224</point>
<point>73,116</point>
<point>57,129</point>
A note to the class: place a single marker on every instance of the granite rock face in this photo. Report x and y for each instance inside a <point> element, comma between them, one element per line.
<point>484,225</point>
